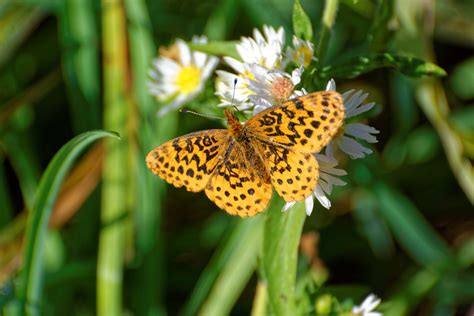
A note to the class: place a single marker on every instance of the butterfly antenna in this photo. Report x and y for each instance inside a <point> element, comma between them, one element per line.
<point>232,102</point>
<point>200,114</point>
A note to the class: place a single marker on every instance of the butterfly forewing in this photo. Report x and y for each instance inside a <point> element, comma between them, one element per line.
<point>305,124</point>
<point>237,187</point>
<point>189,160</point>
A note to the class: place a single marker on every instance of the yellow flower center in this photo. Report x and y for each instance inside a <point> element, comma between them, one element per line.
<point>282,89</point>
<point>188,79</point>
<point>305,54</point>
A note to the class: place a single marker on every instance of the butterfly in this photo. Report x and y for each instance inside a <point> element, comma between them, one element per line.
<point>237,167</point>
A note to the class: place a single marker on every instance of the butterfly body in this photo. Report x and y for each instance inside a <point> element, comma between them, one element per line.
<point>238,167</point>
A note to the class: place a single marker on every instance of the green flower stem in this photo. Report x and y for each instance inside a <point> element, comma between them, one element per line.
<point>259,307</point>
<point>116,180</point>
<point>30,287</point>
<point>329,16</point>
<point>237,271</point>
<point>279,256</point>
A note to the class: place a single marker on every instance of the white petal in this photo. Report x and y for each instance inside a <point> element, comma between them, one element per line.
<point>287,206</point>
<point>309,204</point>
<point>354,101</point>
<point>358,110</point>
<point>259,101</point>
<point>319,194</point>
<point>209,67</point>
<point>331,86</point>
<point>234,63</point>
<point>296,75</point>
<point>361,131</point>
<point>352,148</point>
<point>184,52</point>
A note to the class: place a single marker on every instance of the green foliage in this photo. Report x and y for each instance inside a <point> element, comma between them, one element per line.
<point>301,22</point>
<point>105,236</point>
<point>30,288</point>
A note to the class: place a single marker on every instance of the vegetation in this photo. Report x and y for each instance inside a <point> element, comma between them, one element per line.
<point>86,228</point>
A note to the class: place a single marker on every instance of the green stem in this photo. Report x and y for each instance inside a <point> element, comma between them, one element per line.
<point>279,256</point>
<point>116,180</point>
<point>329,17</point>
<point>259,307</point>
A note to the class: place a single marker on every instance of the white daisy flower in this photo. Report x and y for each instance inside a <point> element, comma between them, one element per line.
<point>349,133</point>
<point>367,307</point>
<point>302,52</point>
<point>270,87</point>
<point>327,179</point>
<point>179,74</point>
<point>232,89</point>
<point>264,50</point>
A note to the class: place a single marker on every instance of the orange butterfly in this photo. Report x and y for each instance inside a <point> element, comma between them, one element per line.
<point>238,166</point>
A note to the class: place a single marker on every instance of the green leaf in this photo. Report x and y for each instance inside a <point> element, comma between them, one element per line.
<point>222,20</point>
<point>412,231</point>
<point>301,22</point>
<point>359,65</point>
<point>30,286</point>
<point>236,271</point>
<point>281,238</point>
<point>218,48</point>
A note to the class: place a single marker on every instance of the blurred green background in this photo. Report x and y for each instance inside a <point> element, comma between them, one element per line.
<point>121,241</point>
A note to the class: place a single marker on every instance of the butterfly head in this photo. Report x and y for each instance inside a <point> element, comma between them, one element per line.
<point>232,122</point>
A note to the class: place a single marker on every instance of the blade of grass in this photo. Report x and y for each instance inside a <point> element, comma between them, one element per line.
<point>237,271</point>
<point>30,286</point>
<point>281,238</point>
<point>410,228</point>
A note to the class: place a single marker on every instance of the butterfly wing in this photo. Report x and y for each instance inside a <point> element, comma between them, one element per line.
<point>305,124</point>
<point>294,174</point>
<point>237,187</point>
<point>189,160</point>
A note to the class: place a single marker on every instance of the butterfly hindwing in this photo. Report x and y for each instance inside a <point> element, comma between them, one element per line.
<point>237,187</point>
<point>293,174</point>
<point>305,124</point>
<point>189,160</point>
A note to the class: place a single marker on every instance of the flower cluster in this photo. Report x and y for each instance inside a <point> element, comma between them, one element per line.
<point>267,73</point>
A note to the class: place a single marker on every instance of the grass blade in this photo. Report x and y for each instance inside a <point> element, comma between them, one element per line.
<point>236,272</point>
<point>30,282</point>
